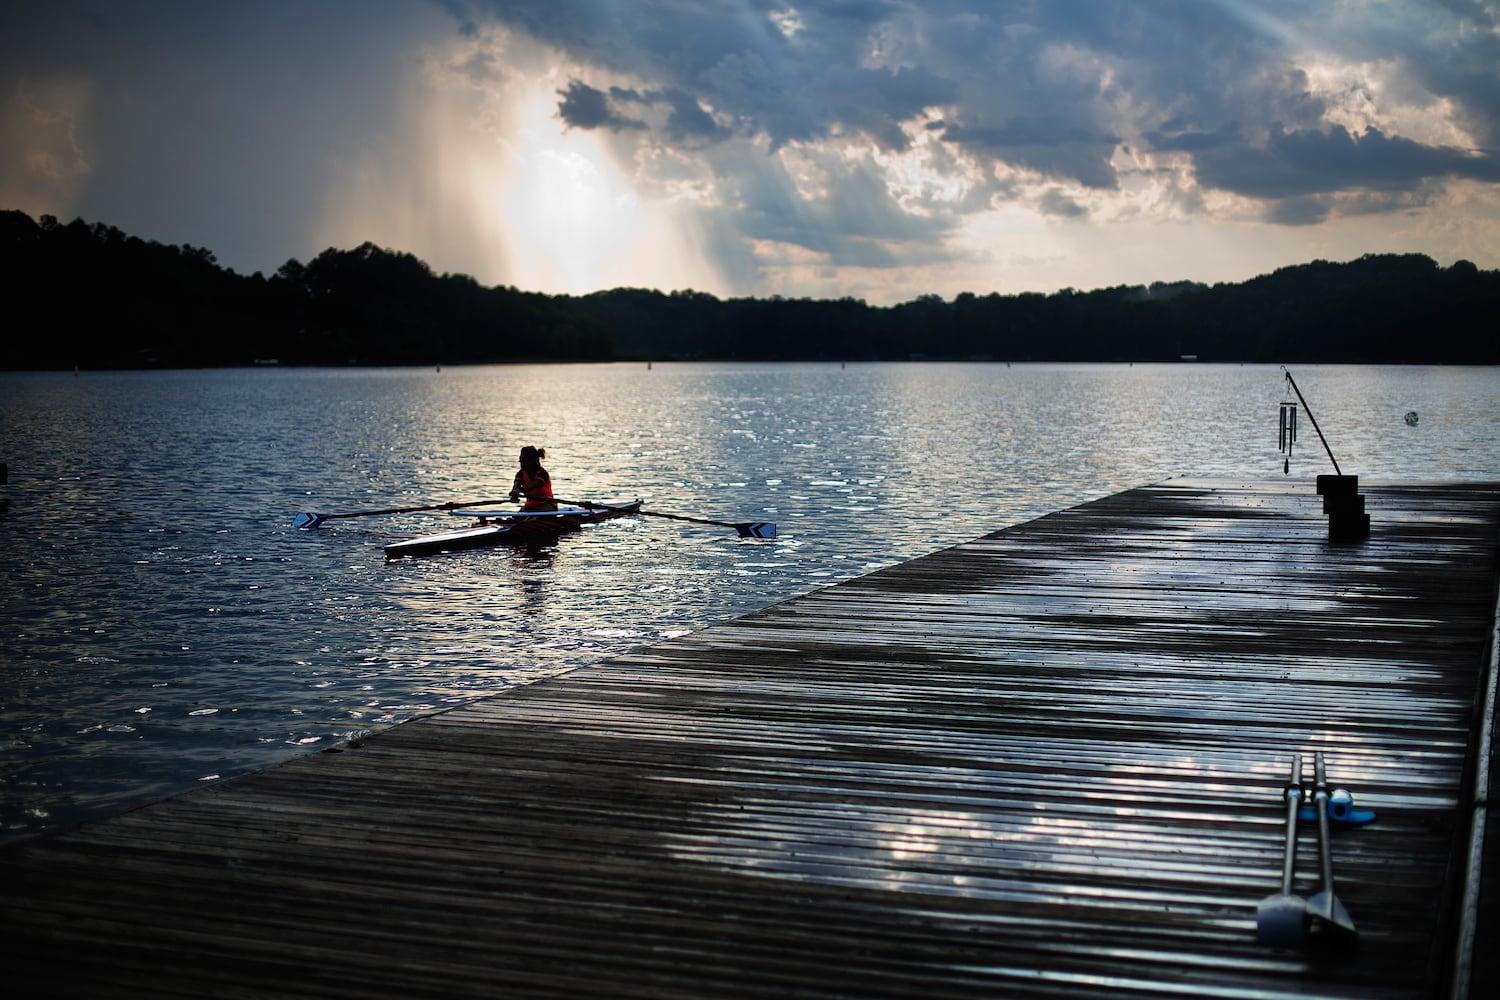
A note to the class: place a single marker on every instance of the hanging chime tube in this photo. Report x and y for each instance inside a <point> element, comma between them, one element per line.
<point>1288,434</point>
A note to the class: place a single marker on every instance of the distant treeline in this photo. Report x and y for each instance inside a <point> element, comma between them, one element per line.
<point>90,296</point>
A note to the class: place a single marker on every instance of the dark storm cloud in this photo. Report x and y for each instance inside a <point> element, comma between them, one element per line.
<point>583,106</point>
<point>1048,146</point>
<point>1173,140</point>
<point>686,123</point>
<point>1299,211</point>
<point>1294,164</point>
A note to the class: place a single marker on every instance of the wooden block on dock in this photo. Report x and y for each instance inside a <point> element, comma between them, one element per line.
<point>1338,485</point>
<point>1335,504</point>
<point>1348,527</point>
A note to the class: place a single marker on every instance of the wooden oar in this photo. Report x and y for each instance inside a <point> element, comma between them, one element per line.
<point>313,520</point>
<point>746,529</point>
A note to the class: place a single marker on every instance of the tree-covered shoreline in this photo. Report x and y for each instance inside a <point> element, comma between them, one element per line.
<point>88,295</point>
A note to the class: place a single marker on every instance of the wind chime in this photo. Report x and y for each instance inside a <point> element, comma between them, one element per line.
<point>1288,433</point>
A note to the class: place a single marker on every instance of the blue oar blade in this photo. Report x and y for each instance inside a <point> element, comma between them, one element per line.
<point>759,529</point>
<point>307,520</point>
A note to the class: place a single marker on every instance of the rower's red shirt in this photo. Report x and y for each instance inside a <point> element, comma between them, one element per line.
<point>538,489</point>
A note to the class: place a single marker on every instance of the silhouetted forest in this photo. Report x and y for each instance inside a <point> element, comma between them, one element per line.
<point>88,295</point>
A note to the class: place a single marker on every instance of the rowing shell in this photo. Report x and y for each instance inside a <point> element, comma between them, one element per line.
<point>514,528</point>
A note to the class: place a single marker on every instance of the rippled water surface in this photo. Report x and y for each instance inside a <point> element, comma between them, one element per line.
<point>162,624</point>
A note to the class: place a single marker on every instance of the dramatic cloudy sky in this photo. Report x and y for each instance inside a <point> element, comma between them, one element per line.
<point>880,149</point>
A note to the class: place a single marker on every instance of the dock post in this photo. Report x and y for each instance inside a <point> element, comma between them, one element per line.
<point>1345,507</point>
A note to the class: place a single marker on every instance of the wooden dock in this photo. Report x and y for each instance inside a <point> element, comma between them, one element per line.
<point>1046,763</point>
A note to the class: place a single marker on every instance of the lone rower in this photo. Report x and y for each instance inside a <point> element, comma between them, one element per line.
<point>532,481</point>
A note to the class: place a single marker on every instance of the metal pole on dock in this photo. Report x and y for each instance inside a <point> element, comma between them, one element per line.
<point>1314,420</point>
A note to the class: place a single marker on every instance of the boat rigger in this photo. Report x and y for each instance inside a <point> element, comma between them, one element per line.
<point>510,528</point>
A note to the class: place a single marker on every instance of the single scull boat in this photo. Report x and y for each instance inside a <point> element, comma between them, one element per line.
<point>510,528</point>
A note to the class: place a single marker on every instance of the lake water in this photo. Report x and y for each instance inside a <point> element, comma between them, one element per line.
<point>163,624</point>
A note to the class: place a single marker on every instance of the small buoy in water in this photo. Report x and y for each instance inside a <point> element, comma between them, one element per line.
<point>1411,418</point>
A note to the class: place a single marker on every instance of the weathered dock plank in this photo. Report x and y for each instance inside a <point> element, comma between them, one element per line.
<point>1044,763</point>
